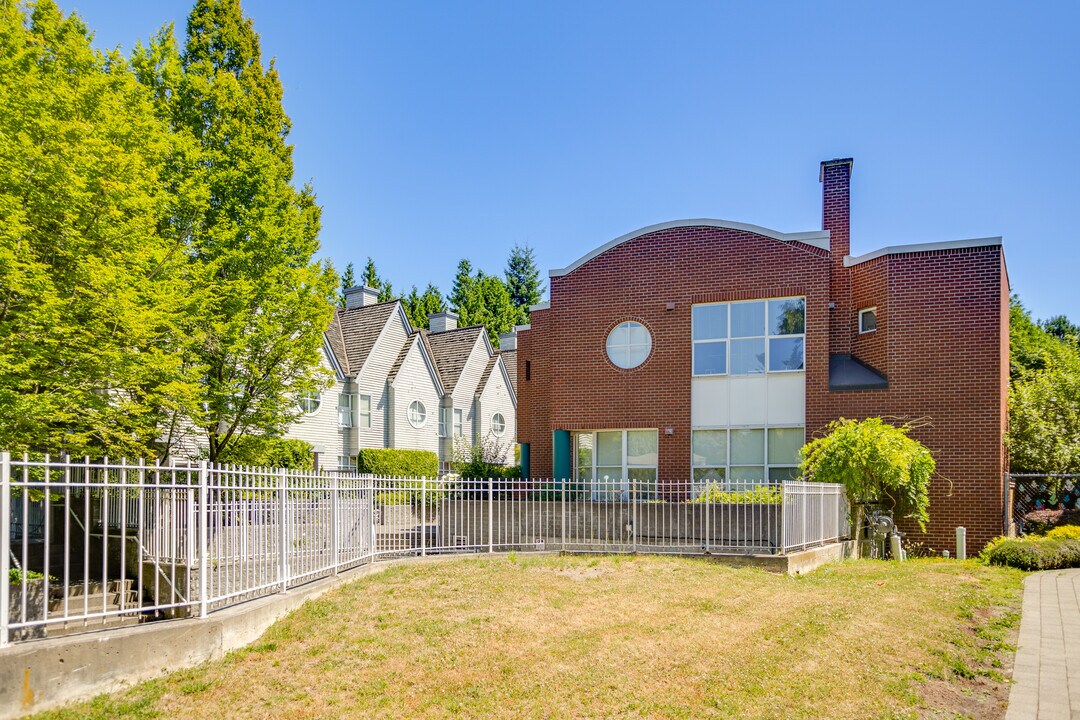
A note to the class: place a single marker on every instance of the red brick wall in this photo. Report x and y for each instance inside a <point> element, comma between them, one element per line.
<point>869,288</point>
<point>942,341</point>
<point>580,389</point>
<point>944,366</point>
<point>836,218</point>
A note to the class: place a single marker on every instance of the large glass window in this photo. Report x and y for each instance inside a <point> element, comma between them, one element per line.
<point>613,463</point>
<point>749,338</point>
<point>737,458</point>
<point>459,423</point>
<point>629,344</point>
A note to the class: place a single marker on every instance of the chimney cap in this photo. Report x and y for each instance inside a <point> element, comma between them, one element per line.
<point>359,296</point>
<point>835,162</point>
<point>445,313</point>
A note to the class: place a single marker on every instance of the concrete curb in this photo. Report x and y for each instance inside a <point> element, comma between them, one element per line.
<point>43,674</point>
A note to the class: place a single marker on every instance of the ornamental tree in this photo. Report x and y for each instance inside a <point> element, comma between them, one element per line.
<point>876,463</point>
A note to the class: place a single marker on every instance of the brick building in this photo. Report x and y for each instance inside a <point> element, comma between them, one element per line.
<point>706,351</point>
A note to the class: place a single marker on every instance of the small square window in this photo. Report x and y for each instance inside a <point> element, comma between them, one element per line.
<point>868,320</point>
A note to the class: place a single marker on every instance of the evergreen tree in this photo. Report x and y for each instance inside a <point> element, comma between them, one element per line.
<point>419,305</point>
<point>259,301</point>
<point>462,287</point>
<point>348,280</point>
<point>370,277</point>
<point>487,302</point>
<point>90,285</point>
<point>523,281</point>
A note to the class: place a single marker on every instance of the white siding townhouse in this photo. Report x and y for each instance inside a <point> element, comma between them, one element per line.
<point>396,387</point>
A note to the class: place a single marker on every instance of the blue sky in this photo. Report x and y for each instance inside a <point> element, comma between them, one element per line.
<point>436,131</point>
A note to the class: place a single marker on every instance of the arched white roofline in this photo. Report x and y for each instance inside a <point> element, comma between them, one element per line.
<point>817,238</point>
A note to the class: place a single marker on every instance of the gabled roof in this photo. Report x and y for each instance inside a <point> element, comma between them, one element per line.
<point>451,350</point>
<point>353,332</point>
<point>417,338</point>
<point>496,363</point>
<point>510,361</point>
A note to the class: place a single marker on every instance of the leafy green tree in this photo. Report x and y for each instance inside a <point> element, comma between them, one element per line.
<point>259,301</point>
<point>1060,327</point>
<point>90,285</point>
<point>523,281</point>
<point>348,280</point>
<point>875,462</point>
<point>1044,395</point>
<point>419,305</point>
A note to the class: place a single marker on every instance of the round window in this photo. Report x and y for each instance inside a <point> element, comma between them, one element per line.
<point>629,344</point>
<point>498,424</point>
<point>309,401</point>
<point>417,414</point>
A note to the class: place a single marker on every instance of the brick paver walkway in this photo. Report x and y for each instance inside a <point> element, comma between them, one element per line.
<point>1047,673</point>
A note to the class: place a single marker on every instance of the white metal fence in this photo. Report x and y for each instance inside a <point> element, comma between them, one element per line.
<point>91,545</point>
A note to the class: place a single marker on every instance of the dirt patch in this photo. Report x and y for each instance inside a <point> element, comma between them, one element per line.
<point>984,695</point>
<point>582,573</point>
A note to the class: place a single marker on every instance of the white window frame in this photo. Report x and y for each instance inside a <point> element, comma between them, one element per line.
<point>867,311</point>
<point>459,422</point>
<point>502,421</point>
<point>444,414</point>
<point>346,405</point>
<point>347,463</point>
<point>363,417</point>
<point>628,346</point>
<point>626,466</point>
<point>306,398</point>
<point>728,483</point>
<point>728,339</point>
<point>411,416</point>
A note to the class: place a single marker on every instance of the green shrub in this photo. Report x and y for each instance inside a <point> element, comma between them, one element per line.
<point>398,463</point>
<point>263,451</point>
<point>761,495</point>
<point>1032,553</point>
<point>15,575</point>
<point>1065,532</point>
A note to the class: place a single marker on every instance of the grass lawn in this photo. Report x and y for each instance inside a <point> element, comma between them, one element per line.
<point>561,637</point>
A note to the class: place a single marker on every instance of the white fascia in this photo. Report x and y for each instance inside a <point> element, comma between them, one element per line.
<point>816,238</point>
<point>923,247</point>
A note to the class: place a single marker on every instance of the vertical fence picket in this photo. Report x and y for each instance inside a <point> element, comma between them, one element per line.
<point>204,549</point>
<point>5,546</point>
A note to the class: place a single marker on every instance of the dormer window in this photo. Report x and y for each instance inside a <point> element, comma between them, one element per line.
<point>867,320</point>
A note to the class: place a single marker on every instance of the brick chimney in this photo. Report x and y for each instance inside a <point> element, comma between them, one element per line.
<point>360,296</point>
<point>442,321</point>
<point>836,218</point>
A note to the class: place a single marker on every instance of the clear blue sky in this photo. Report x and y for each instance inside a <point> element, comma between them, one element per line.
<point>435,131</point>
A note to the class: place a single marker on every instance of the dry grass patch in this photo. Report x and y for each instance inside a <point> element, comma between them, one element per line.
<point>637,637</point>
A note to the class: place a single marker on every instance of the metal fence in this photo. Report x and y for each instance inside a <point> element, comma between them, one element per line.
<point>92,545</point>
<point>1033,493</point>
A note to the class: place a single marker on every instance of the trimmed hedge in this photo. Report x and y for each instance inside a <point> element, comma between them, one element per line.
<point>1033,553</point>
<point>398,463</point>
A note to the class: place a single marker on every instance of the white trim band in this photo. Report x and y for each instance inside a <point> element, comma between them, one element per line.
<point>923,247</point>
